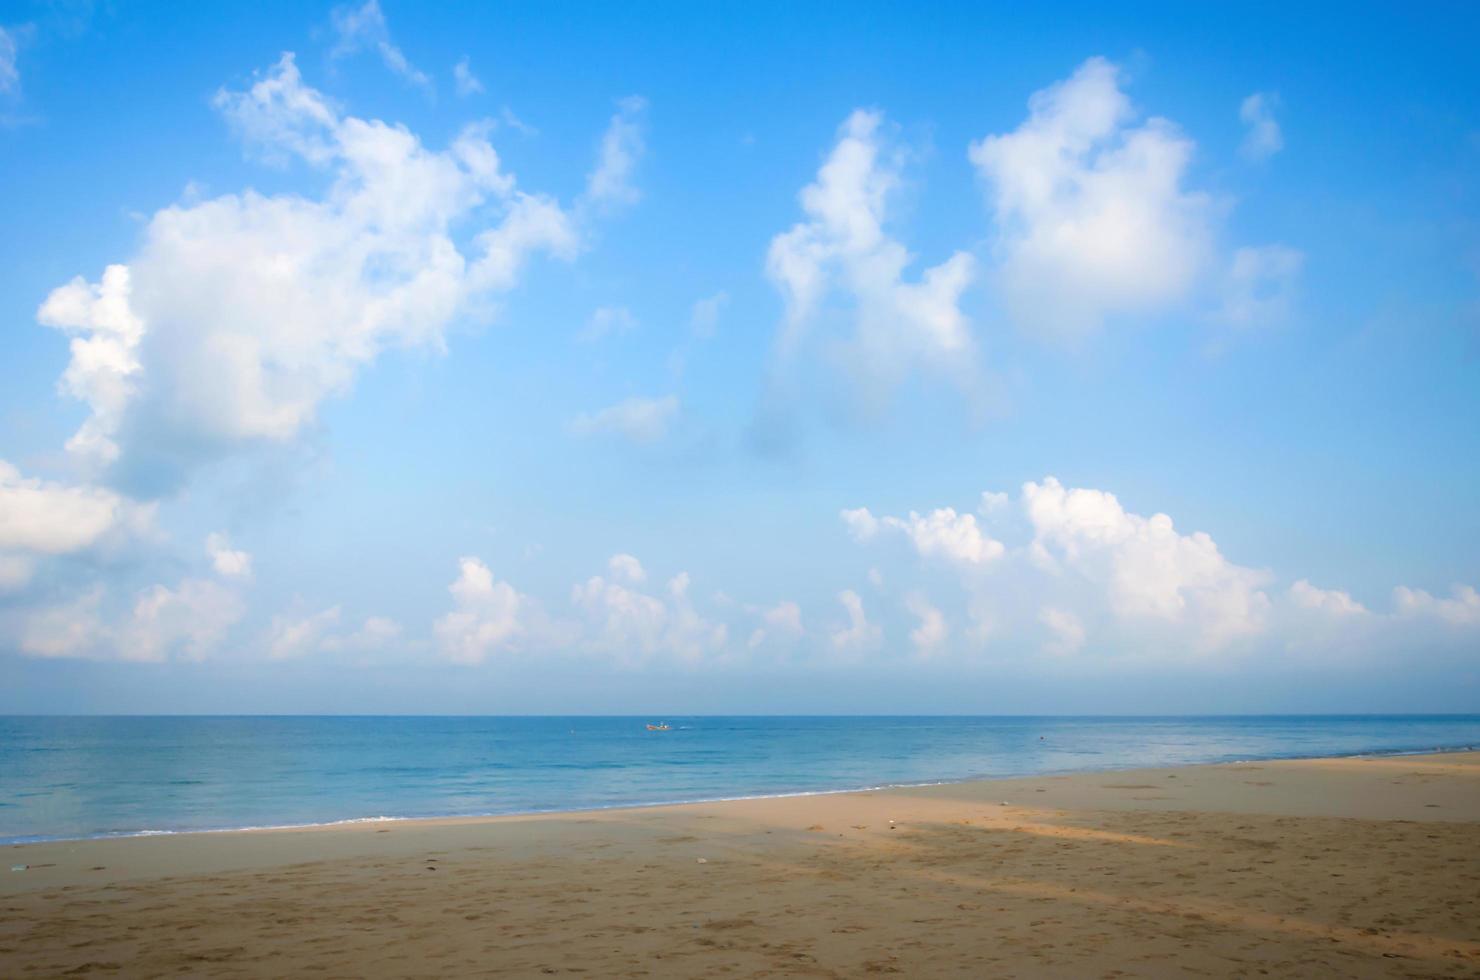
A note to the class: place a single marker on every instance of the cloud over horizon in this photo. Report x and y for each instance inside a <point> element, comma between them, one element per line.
<point>279,434</point>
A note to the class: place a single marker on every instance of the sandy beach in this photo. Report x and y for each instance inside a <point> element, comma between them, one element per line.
<point>1333,867</point>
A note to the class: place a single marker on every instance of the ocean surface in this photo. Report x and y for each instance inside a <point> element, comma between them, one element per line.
<point>86,777</point>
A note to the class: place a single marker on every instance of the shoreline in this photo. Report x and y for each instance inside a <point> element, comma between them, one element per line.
<point>11,843</point>
<point>1362,865</point>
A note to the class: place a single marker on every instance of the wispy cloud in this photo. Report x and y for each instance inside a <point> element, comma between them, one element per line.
<point>1263,138</point>
<point>640,420</point>
<point>467,83</point>
<point>364,28</point>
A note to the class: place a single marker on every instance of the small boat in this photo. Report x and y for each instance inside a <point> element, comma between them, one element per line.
<point>659,728</point>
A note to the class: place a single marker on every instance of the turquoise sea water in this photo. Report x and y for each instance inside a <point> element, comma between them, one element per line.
<point>85,777</point>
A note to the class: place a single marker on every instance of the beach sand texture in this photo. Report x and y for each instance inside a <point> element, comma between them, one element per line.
<point>1336,867</point>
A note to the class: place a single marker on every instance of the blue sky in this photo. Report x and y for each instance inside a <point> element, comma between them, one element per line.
<point>739,358</point>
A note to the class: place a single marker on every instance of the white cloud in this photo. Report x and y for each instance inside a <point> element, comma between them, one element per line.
<point>104,367</point>
<point>299,634</point>
<point>67,629</point>
<point>467,83</point>
<point>296,636</point>
<point>1090,574</point>
<point>607,321</point>
<point>240,314</point>
<point>783,620</point>
<point>629,625</point>
<point>39,518</point>
<point>861,524</point>
<point>506,115</point>
<point>488,616</point>
<point>947,534</point>
<point>1092,565</point>
<point>227,562</point>
<point>842,247</point>
<point>1331,601</point>
<point>1148,570</point>
<point>189,620</point>
<point>624,618</point>
<point>641,420</point>
<point>1461,609</point>
<point>858,633</point>
<point>10,77</point>
<point>1260,285</point>
<point>376,633</point>
<point>610,184</point>
<point>1093,219</point>
<point>364,28</point>
<point>993,502</point>
<point>942,533</point>
<point>704,318</point>
<point>932,631</point>
<point>1066,633</point>
<point>627,568</point>
<point>1263,138</point>
<point>53,519</point>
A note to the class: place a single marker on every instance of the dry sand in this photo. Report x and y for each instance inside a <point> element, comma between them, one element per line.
<point>1337,867</point>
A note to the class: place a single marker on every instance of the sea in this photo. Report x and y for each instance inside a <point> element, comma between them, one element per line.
<point>82,777</point>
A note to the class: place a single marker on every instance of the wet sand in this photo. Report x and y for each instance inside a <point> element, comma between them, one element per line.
<point>1335,867</point>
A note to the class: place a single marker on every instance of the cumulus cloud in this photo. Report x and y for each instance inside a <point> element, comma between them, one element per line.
<point>1333,602</point>
<point>104,367</point>
<point>947,534</point>
<point>467,83</point>
<point>1262,137</point>
<point>1086,573</point>
<point>302,634</point>
<point>627,568</point>
<point>1147,568</point>
<point>40,518</point>
<point>363,28</point>
<point>781,621</point>
<point>240,314</point>
<point>1462,608</point>
<point>858,634</point>
<point>1088,558</point>
<point>630,625</point>
<point>640,420</point>
<point>941,533</point>
<point>1066,633</point>
<point>610,184</point>
<point>187,621</point>
<point>841,248</point>
<point>66,629</point>
<point>296,636</point>
<point>932,631</point>
<point>861,524</point>
<point>489,617</point>
<point>993,502</point>
<point>228,562</point>
<point>1093,216</point>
